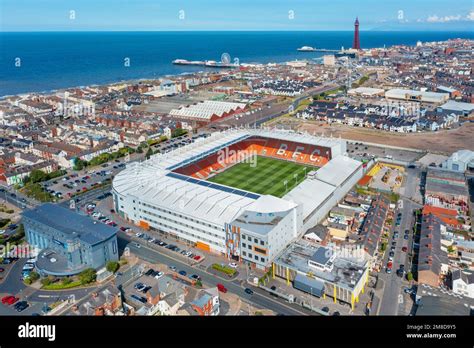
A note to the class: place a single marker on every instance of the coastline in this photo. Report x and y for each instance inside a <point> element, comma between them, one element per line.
<point>96,58</point>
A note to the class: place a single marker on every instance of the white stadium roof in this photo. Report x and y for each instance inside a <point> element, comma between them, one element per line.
<point>153,181</point>
<point>310,194</point>
<point>336,171</point>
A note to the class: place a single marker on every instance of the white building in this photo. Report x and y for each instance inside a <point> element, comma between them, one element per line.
<point>463,283</point>
<point>460,161</point>
<point>421,96</point>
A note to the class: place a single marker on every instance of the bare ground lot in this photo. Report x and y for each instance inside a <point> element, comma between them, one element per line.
<point>442,142</point>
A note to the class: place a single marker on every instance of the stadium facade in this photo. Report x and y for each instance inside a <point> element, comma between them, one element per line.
<point>170,192</point>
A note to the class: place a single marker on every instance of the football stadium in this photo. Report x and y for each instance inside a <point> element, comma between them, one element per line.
<point>243,193</point>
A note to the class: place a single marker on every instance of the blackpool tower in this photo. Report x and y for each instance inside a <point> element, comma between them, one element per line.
<point>356,44</point>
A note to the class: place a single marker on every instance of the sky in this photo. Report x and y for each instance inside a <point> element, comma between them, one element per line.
<point>221,15</point>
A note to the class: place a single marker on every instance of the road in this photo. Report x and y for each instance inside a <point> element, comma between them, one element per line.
<point>275,110</point>
<point>392,296</point>
<point>259,298</point>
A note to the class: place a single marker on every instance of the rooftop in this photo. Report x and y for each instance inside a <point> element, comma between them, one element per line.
<point>347,270</point>
<point>72,224</point>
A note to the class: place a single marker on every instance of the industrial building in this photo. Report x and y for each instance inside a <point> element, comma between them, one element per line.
<point>460,161</point>
<point>420,96</point>
<point>208,110</point>
<point>170,193</point>
<point>324,271</point>
<point>69,242</point>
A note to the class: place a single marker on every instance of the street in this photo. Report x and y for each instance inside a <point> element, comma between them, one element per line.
<point>259,298</point>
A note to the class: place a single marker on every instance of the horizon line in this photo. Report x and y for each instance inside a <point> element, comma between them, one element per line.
<point>233,30</point>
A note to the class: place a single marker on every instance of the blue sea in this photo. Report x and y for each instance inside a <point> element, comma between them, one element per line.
<point>55,60</point>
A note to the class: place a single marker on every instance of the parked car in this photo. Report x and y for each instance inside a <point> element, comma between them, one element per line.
<point>158,275</point>
<point>9,300</point>
<point>173,268</point>
<point>233,265</point>
<point>325,309</point>
<point>248,291</point>
<point>183,273</point>
<point>404,249</point>
<point>221,288</point>
<point>149,272</point>
<point>195,277</point>
<point>197,257</point>
<point>21,306</point>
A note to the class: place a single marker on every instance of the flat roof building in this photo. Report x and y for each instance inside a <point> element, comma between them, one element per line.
<point>338,273</point>
<point>421,96</point>
<point>69,242</point>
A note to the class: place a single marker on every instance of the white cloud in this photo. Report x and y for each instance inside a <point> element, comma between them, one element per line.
<point>436,19</point>
<point>446,19</point>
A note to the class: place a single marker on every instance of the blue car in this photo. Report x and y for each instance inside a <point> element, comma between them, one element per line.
<point>183,273</point>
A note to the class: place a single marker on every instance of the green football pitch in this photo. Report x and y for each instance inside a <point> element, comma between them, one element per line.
<point>268,176</point>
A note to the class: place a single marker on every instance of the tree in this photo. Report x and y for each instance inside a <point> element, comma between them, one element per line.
<point>178,132</point>
<point>79,164</point>
<point>66,281</point>
<point>46,281</point>
<point>409,276</point>
<point>37,176</point>
<point>149,153</point>
<point>87,276</point>
<point>139,149</point>
<point>112,266</point>
<point>34,276</point>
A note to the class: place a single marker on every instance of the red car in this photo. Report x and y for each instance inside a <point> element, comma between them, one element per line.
<point>404,249</point>
<point>9,300</point>
<point>389,265</point>
<point>197,257</point>
<point>221,288</point>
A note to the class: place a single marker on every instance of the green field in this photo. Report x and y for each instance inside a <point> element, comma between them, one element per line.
<point>267,177</point>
